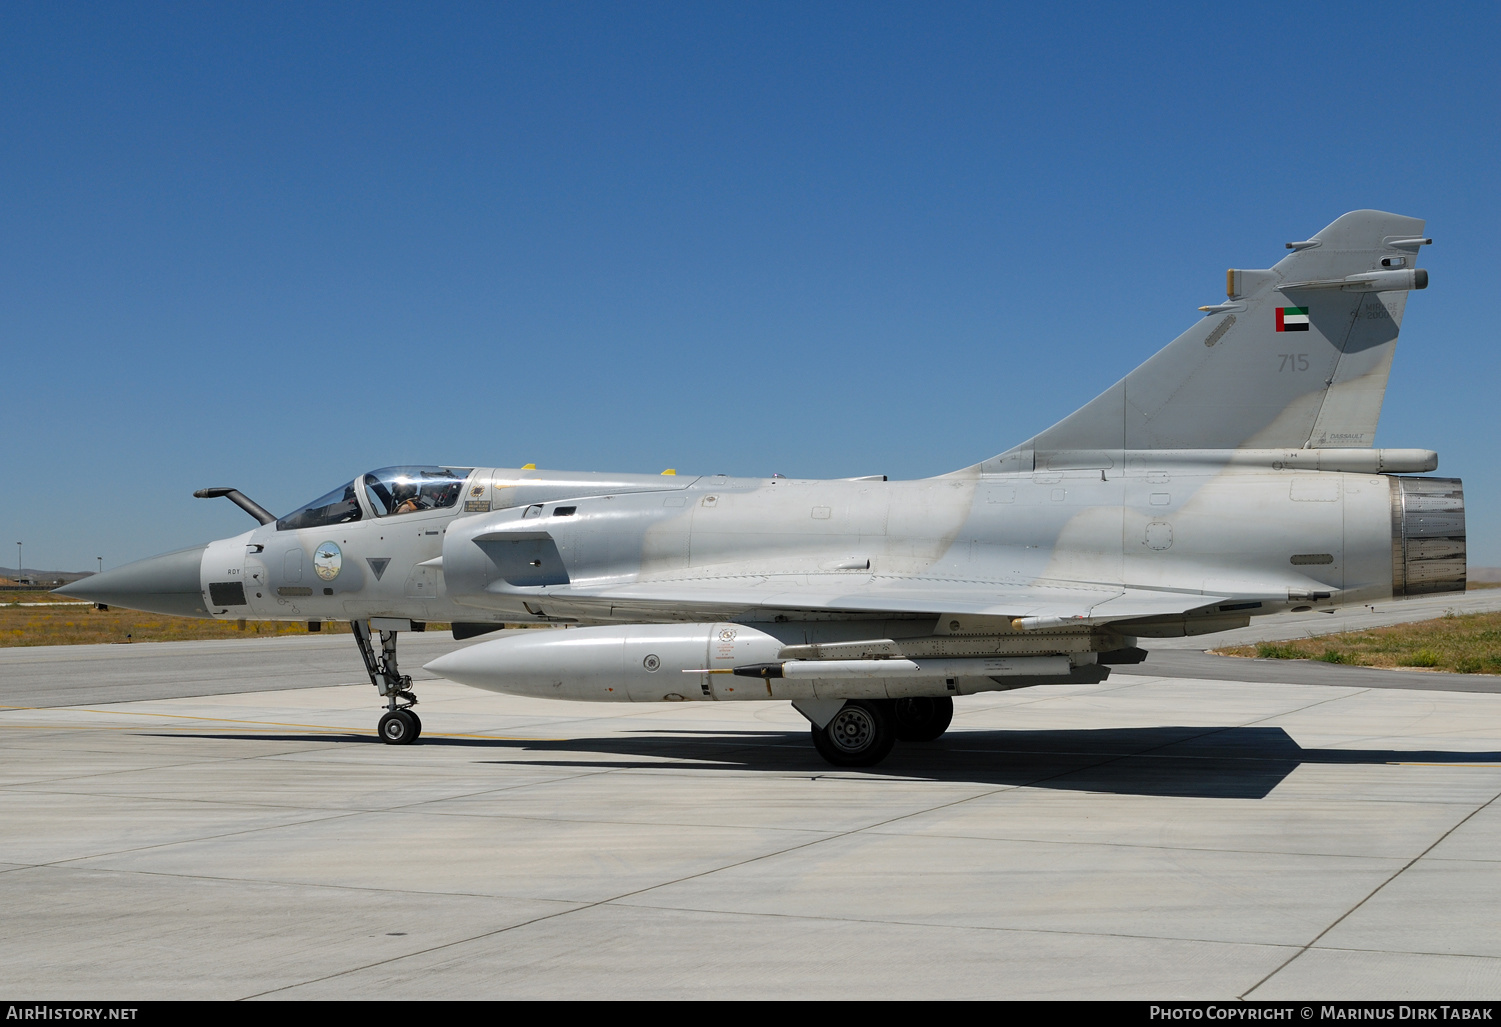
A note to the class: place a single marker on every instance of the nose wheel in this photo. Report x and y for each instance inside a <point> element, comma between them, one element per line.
<point>399,725</point>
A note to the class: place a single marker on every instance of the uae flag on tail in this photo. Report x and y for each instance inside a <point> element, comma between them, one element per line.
<point>1292,319</point>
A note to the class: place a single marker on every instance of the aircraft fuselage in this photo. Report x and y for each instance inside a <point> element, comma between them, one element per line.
<point>520,545</point>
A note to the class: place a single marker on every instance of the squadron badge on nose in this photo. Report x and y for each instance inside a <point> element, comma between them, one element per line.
<point>328,560</point>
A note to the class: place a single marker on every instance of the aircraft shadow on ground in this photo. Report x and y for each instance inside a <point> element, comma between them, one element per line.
<point>1187,762</point>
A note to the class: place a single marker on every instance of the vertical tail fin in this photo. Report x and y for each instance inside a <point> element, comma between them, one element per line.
<point>1298,357</point>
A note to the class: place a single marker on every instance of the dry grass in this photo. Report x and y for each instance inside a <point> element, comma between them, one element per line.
<point>70,624</point>
<point>62,621</point>
<point>38,596</point>
<point>1465,644</point>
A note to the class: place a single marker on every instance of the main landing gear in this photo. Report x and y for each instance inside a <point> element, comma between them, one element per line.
<point>921,718</point>
<point>862,733</point>
<point>399,725</point>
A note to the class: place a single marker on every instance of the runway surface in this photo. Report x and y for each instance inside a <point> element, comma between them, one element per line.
<point>70,675</point>
<point>217,820</point>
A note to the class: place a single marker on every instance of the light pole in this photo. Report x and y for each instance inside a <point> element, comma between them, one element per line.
<point>101,563</point>
<point>19,572</point>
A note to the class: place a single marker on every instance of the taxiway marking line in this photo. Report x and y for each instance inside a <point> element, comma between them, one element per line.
<point>1490,765</point>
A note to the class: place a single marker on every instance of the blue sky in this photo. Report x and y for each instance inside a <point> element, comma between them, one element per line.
<point>274,245</point>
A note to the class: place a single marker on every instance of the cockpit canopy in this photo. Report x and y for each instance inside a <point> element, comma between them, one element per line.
<point>399,490</point>
<point>388,491</point>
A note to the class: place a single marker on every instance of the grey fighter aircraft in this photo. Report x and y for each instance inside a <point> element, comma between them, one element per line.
<point>1232,475</point>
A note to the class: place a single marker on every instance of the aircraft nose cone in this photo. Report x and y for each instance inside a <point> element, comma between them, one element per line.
<point>169,584</point>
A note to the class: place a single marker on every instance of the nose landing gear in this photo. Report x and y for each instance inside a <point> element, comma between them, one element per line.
<point>399,725</point>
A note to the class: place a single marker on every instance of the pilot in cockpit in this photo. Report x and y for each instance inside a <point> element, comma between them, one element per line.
<point>405,499</point>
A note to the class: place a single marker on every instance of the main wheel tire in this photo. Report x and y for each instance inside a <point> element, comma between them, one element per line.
<point>397,728</point>
<point>860,735</point>
<point>921,718</point>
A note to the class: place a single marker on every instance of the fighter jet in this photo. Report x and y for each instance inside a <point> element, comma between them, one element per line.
<point>1230,476</point>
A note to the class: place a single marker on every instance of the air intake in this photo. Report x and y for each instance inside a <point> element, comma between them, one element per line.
<point>1428,536</point>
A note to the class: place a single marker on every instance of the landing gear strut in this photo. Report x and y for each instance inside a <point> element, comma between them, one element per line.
<point>399,725</point>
